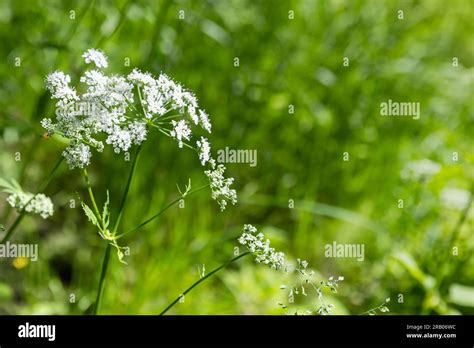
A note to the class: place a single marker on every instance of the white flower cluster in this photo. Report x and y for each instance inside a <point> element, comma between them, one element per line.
<point>38,204</point>
<point>95,56</point>
<point>220,186</point>
<point>422,169</point>
<point>119,110</point>
<point>257,245</point>
<point>204,151</point>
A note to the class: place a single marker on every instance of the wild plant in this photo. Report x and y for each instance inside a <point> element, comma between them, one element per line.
<point>120,111</point>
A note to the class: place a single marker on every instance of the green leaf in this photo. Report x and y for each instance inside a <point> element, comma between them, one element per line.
<point>4,183</point>
<point>105,212</point>
<point>90,214</point>
<point>11,186</point>
<point>15,184</point>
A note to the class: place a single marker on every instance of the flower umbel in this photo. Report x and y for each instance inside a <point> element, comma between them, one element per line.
<point>220,186</point>
<point>120,110</point>
<point>257,245</point>
<point>95,56</point>
<point>34,204</point>
<point>28,202</point>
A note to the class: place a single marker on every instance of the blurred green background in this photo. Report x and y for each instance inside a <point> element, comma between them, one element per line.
<point>283,62</point>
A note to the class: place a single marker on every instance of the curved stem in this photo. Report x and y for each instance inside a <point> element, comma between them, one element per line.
<point>169,205</point>
<point>201,280</point>
<point>41,188</point>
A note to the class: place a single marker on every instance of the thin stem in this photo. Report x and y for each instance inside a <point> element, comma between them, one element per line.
<point>141,102</point>
<point>91,195</point>
<point>105,263</point>
<point>103,273</point>
<point>15,224</point>
<point>169,205</point>
<point>162,130</point>
<point>373,311</point>
<point>201,280</point>
<point>169,117</point>
<point>127,188</point>
<point>41,188</point>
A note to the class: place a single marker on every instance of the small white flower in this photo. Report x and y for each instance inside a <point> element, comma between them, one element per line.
<point>119,109</point>
<point>77,155</point>
<point>58,84</point>
<point>220,186</point>
<point>204,150</point>
<point>180,131</point>
<point>35,204</point>
<point>138,132</point>
<point>204,118</point>
<point>260,247</point>
<point>95,56</point>
<point>120,139</point>
<point>47,124</point>
<point>141,79</point>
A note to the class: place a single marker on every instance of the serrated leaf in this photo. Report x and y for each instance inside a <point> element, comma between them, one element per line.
<point>90,214</point>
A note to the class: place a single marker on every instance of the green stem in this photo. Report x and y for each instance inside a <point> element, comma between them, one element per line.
<point>91,195</point>
<point>169,205</point>
<point>10,231</point>
<point>105,263</point>
<point>127,188</point>
<point>162,130</point>
<point>41,188</point>
<point>103,273</point>
<point>201,280</point>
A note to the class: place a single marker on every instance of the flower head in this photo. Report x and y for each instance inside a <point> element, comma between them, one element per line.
<point>120,110</point>
<point>204,150</point>
<point>95,56</point>
<point>77,155</point>
<point>257,245</point>
<point>35,204</point>
<point>180,131</point>
<point>220,186</point>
